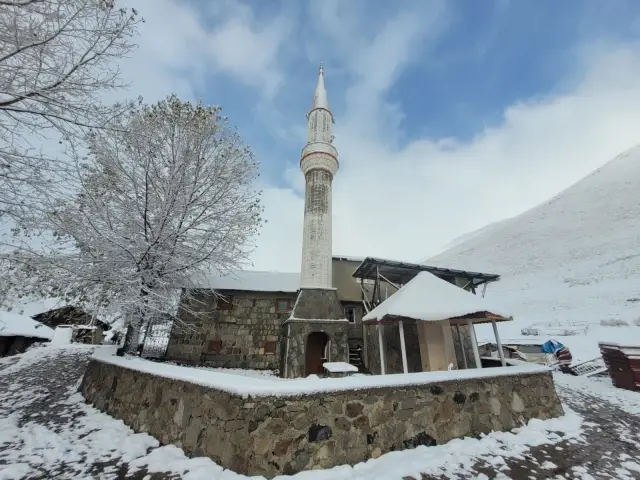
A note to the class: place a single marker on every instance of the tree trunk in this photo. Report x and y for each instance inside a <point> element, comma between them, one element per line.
<point>131,339</point>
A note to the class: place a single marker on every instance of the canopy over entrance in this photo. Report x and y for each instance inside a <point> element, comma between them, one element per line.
<point>428,298</point>
<point>401,272</point>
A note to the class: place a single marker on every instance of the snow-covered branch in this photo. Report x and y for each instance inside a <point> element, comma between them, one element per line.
<point>166,198</point>
<point>58,58</point>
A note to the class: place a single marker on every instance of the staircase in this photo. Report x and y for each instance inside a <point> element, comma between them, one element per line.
<point>355,358</point>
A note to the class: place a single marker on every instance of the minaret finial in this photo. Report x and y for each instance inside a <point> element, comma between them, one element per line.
<point>320,95</point>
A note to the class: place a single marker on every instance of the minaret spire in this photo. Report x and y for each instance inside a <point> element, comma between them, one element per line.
<point>320,96</point>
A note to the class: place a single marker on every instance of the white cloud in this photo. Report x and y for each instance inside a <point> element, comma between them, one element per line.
<point>248,48</point>
<point>180,47</point>
<point>404,202</point>
<point>391,199</point>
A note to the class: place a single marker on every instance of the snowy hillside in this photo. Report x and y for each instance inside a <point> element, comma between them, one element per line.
<point>573,259</point>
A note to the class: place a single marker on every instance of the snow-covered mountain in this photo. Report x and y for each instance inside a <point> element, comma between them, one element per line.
<point>573,259</point>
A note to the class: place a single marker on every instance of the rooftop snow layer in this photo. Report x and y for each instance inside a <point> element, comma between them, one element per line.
<point>253,280</point>
<point>429,298</point>
<point>13,324</point>
<point>258,387</point>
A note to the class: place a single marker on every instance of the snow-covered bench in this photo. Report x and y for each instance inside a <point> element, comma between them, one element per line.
<point>339,369</point>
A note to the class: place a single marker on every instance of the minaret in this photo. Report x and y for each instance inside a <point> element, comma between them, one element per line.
<point>316,331</point>
<point>319,164</point>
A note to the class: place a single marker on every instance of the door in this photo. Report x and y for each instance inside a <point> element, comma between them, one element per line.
<point>315,353</point>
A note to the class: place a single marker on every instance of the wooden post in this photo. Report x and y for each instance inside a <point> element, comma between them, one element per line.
<point>403,348</point>
<point>499,343</point>
<point>382,369</point>
<point>474,343</point>
<point>464,354</point>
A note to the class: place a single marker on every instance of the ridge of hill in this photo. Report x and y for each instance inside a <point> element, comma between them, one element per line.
<point>573,261</point>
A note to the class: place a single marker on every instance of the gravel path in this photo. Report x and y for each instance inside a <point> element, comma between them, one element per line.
<point>41,394</point>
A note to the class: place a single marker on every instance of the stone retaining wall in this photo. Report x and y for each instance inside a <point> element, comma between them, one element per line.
<point>273,435</point>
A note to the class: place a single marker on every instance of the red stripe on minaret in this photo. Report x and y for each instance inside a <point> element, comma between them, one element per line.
<point>318,153</point>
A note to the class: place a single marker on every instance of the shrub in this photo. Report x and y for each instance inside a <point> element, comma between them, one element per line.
<point>614,322</point>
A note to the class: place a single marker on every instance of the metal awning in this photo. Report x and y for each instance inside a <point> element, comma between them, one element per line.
<point>401,272</point>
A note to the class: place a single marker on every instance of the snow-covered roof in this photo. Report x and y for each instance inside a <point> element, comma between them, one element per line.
<point>17,325</point>
<point>429,298</point>
<point>253,280</point>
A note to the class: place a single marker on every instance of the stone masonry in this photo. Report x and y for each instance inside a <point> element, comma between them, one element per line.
<point>298,332</point>
<point>273,435</point>
<point>315,310</point>
<point>244,334</point>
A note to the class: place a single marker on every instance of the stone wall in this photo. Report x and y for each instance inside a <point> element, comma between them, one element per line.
<point>248,335</point>
<point>284,435</point>
<point>372,349</point>
<point>295,353</point>
<point>315,310</point>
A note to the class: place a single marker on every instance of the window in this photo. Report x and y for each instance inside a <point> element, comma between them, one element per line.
<point>283,305</point>
<point>213,347</point>
<point>270,348</point>
<point>225,302</point>
<point>350,314</point>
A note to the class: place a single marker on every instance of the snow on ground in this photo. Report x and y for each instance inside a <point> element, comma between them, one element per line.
<point>265,386</point>
<point>268,374</point>
<point>39,353</point>
<point>45,426</point>
<point>571,260</point>
<point>603,388</point>
<point>583,347</point>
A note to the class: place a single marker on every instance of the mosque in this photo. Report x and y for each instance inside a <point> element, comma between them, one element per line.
<point>337,309</point>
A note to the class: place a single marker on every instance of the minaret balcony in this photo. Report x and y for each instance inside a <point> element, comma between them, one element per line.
<point>319,156</point>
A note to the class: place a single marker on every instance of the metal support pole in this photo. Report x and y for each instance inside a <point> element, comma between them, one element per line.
<point>382,369</point>
<point>389,282</point>
<point>499,343</point>
<point>464,354</point>
<point>403,347</point>
<point>484,289</point>
<point>474,343</point>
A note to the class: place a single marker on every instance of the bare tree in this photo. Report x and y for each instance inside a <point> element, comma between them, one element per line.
<point>167,198</point>
<point>57,58</point>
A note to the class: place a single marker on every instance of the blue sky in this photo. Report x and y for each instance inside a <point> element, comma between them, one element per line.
<point>481,58</point>
<point>449,114</point>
